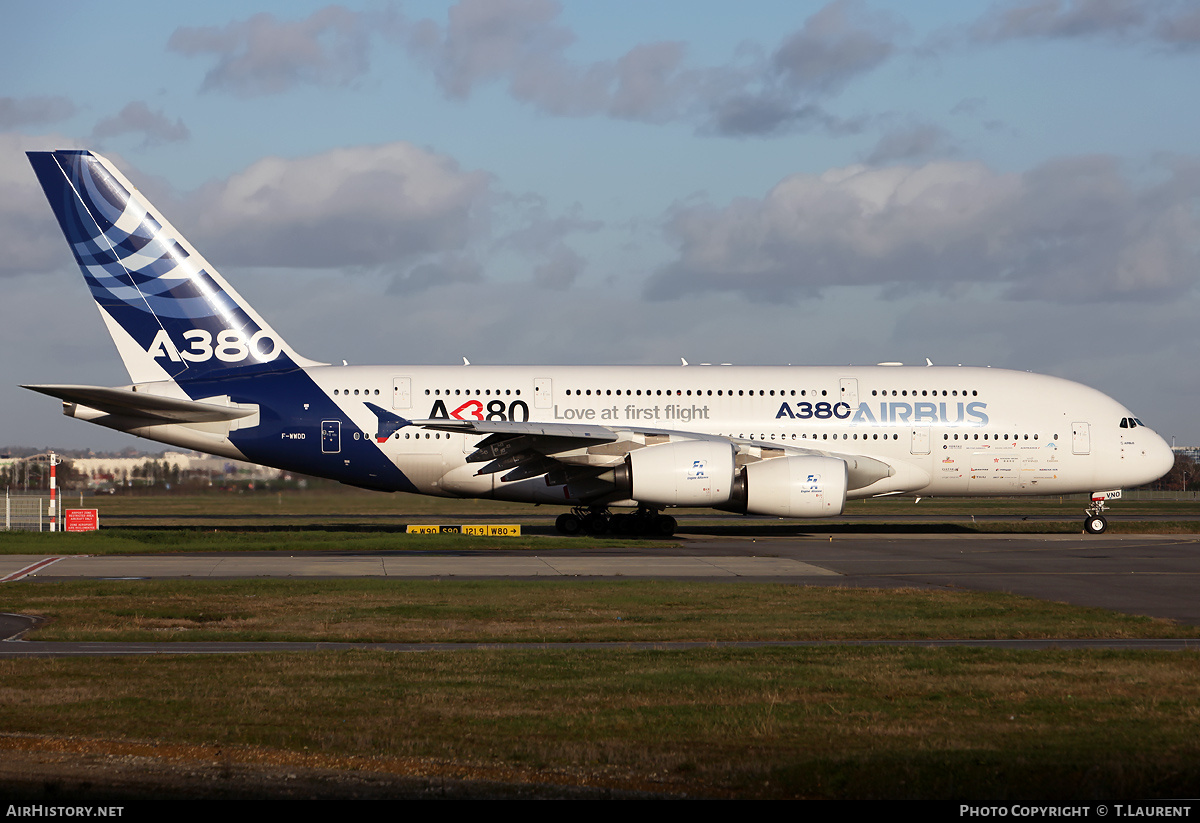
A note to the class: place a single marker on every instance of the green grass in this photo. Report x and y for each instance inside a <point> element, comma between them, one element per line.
<point>507,611</point>
<point>825,722</point>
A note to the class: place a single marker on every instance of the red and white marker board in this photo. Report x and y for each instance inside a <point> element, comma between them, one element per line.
<point>81,520</point>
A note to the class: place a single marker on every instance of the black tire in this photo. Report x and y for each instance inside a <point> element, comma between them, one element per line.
<point>596,525</point>
<point>1095,524</point>
<point>665,525</point>
<point>568,524</point>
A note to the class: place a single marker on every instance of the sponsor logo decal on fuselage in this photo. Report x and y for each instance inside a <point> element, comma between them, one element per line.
<point>516,411</point>
<point>915,414</point>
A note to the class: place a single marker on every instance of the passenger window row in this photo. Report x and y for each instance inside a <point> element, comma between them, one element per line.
<point>691,393</point>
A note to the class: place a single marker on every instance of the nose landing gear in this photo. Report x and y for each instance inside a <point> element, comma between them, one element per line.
<point>1096,522</point>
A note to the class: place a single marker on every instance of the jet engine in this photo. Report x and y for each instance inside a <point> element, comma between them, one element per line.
<point>686,473</point>
<point>791,487</point>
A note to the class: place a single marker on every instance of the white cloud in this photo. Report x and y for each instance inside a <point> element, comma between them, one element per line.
<point>1062,18</point>
<point>450,269</point>
<point>265,55</point>
<point>1070,230</point>
<point>559,270</point>
<point>136,118</point>
<point>361,206</point>
<point>16,112</point>
<point>487,39</point>
<point>912,141</point>
<point>29,234</point>
<point>524,45</point>
<point>841,41</point>
<point>1171,23</point>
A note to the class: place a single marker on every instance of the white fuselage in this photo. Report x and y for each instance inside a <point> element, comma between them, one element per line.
<point>948,430</point>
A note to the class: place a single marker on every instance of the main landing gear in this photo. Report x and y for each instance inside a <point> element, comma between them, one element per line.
<point>598,521</point>
<point>1095,522</point>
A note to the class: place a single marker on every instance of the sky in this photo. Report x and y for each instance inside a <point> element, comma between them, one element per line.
<point>1010,184</point>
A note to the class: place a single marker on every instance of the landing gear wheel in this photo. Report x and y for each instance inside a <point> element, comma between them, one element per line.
<point>598,521</point>
<point>665,525</point>
<point>596,524</point>
<point>1095,524</point>
<point>568,524</point>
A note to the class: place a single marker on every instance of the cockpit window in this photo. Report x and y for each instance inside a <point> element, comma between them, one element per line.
<point>1131,423</point>
<point>1124,422</point>
<point>1138,422</point>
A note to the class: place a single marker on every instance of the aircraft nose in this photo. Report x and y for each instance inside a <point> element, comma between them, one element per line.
<point>1159,457</point>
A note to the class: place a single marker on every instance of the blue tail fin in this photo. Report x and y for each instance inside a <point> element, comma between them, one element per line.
<point>170,313</point>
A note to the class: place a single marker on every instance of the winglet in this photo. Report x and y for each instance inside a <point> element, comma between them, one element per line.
<point>389,423</point>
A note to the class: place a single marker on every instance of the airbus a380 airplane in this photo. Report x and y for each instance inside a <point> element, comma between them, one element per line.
<point>208,373</point>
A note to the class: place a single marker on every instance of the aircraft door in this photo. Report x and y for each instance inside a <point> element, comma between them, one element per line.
<point>1081,438</point>
<point>543,389</point>
<point>331,436</point>
<point>401,392</point>
<point>920,441</point>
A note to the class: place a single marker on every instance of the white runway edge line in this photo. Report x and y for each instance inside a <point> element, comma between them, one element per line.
<point>34,567</point>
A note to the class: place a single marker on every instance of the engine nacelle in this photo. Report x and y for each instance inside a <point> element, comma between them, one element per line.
<point>687,473</point>
<point>794,487</point>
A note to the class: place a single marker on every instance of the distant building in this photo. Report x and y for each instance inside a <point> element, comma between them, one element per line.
<point>100,472</point>
<point>1190,452</point>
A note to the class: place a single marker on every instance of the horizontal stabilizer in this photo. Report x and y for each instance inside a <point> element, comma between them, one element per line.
<point>127,403</point>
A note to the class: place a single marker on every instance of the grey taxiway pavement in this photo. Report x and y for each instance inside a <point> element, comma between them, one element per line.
<point>406,565</point>
<point>1155,575</point>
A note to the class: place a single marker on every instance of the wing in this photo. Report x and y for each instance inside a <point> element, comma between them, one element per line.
<point>561,451</point>
<point>564,452</point>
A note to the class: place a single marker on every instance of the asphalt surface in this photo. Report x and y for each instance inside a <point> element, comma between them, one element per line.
<point>1154,575</point>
